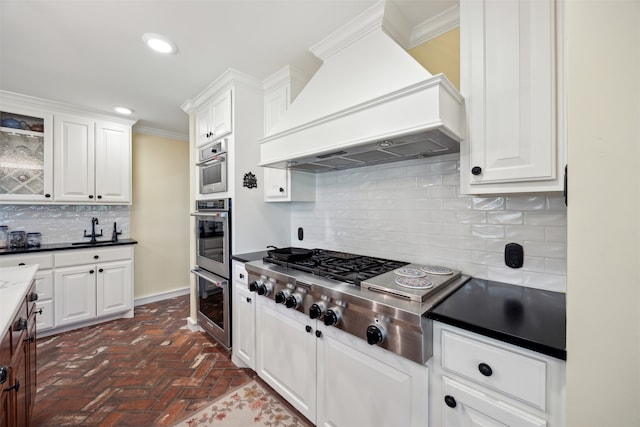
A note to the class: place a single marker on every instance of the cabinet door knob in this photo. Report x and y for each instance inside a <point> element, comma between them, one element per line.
<point>38,311</point>
<point>33,296</point>
<point>307,328</point>
<point>318,334</point>
<point>47,195</point>
<point>241,276</point>
<point>485,369</point>
<point>281,190</point>
<point>100,270</point>
<point>249,300</point>
<point>96,256</point>
<point>91,196</point>
<point>450,401</point>
<point>99,196</point>
<point>91,271</point>
<point>20,325</point>
<point>476,170</point>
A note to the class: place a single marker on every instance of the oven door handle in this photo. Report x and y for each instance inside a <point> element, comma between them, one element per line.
<point>218,281</point>
<point>219,158</point>
<point>211,214</point>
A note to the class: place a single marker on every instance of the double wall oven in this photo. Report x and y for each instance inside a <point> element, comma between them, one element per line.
<point>213,269</point>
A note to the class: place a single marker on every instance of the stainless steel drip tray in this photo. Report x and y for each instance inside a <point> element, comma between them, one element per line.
<point>426,284</point>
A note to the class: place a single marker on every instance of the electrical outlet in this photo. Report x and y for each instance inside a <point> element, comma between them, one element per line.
<point>513,255</point>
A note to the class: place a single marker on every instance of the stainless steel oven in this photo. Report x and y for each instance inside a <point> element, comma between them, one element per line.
<point>213,269</point>
<point>212,167</point>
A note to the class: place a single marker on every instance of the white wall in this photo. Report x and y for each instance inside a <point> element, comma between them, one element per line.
<point>412,211</point>
<point>603,295</point>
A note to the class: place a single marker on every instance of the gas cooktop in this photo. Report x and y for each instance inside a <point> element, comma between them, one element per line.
<point>345,267</point>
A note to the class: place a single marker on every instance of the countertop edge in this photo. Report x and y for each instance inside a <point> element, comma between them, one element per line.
<point>65,247</point>
<point>500,336</point>
<point>5,322</point>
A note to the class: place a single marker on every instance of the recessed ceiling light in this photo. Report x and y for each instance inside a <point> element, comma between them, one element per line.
<point>159,43</point>
<point>123,110</point>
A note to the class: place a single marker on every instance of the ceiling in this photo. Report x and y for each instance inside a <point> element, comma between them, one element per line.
<point>90,52</point>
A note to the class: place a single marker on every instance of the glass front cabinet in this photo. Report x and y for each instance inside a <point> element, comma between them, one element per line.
<point>26,154</point>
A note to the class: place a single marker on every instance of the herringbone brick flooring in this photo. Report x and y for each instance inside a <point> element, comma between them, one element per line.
<point>147,371</point>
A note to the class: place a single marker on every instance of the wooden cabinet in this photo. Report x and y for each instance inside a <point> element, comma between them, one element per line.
<point>92,161</point>
<point>481,381</point>
<point>26,154</point>
<point>92,284</point>
<point>331,377</point>
<point>244,319</point>
<point>214,118</point>
<point>511,81</point>
<point>18,366</point>
<point>283,185</point>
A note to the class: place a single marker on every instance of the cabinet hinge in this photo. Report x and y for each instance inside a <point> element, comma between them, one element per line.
<point>566,188</point>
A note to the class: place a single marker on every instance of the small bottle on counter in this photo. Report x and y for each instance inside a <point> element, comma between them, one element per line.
<point>17,239</point>
<point>3,236</point>
<point>34,239</point>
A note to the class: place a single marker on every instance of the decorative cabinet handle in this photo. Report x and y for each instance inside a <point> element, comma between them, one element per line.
<point>241,276</point>
<point>281,190</point>
<point>33,296</point>
<point>249,300</point>
<point>100,270</point>
<point>91,271</point>
<point>15,387</point>
<point>318,334</point>
<point>38,311</point>
<point>4,374</point>
<point>476,170</point>
<point>450,401</point>
<point>47,195</point>
<point>30,339</point>
<point>20,325</point>
<point>96,256</point>
<point>22,263</point>
<point>99,196</point>
<point>485,369</point>
<point>91,196</point>
<point>307,328</point>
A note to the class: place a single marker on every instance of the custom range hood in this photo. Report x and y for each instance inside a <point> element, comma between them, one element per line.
<point>369,103</point>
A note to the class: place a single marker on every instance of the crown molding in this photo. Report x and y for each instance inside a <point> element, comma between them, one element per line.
<point>225,81</point>
<point>146,130</point>
<point>433,27</point>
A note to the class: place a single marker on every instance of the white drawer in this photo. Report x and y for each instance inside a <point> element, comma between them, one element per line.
<point>92,256</point>
<point>239,273</point>
<point>44,260</point>
<point>520,376</point>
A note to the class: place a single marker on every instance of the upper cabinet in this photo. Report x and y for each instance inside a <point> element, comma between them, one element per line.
<point>92,161</point>
<point>213,119</point>
<point>26,154</point>
<point>510,79</point>
<point>284,185</point>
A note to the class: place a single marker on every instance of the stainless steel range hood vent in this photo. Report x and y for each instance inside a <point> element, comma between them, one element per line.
<point>369,103</point>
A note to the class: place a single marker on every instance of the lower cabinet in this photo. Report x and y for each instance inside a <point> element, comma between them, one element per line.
<point>244,319</point>
<point>481,381</point>
<point>18,366</point>
<point>335,379</point>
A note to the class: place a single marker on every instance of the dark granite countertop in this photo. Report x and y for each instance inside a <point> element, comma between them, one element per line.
<point>531,318</point>
<point>66,246</point>
<point>251,256</point>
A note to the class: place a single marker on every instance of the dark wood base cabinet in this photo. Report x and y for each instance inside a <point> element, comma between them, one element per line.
<point>18,365</point>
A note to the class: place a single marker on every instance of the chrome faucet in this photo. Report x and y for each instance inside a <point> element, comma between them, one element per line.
<point>93,235</point>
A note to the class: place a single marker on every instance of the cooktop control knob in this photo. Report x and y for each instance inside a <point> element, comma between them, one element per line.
<point>293,301</point>
<point>253,286</point>
<point>332,316</point>
<point>316,309</point>
<point>265,288</point>
<point>282,295</point>
<point>376,334</point>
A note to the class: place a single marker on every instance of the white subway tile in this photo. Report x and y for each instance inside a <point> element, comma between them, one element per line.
<point>548,282</point>
<point>522,233</point>
<point>506,275</point>
<point>505,217</point>
<point>471,217</point>
<point>488,203</point>
<point>556,266</point>
<point>487,231</point>
<point>486,258</point>
<point>429,180</point>
<point>545,218</point>
<point>555,234</point>
<point>526,203</point>
<point>546,250</point>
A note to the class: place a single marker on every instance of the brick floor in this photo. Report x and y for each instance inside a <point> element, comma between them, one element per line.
<point>147,371</point>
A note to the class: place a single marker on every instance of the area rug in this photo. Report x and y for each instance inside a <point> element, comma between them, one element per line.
<point>250,405</point>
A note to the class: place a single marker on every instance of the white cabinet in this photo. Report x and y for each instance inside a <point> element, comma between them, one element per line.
<point>286,354</point>
<point>44,284</point>
<point>214,119</point>
<point>75,294</point>
<point>480,381</point>
<point>282,185</point>
<point>511,81</point>
<point>26,154</point>
<point>333,378</point>
<point>244,319</point>
<point>92,161</point>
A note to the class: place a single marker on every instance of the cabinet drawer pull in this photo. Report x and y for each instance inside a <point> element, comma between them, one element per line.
<point>20,325</point>
<point>38,311</point>
<point>96,256</point>
<point>241,276</point>
<point>91,271</point>
<point>307,328</point>
<point>91,196</point>
<point>485,369</point>
<point>281,190</point>
<point>99,196</point>
<point>450,401</point>
<point>22,263</point>
<point>476,170</point>
<point>33,296</point>
<point>15,387</point>
<point>4,374</point>
<point>249,300</point>
<point>318,334</point>
<point>30,339</point>
<point>47,195</point>
<point>100,270</point>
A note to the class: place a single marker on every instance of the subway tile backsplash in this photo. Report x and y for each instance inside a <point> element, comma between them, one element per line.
<point>66,223</point>
<point>413,211</point>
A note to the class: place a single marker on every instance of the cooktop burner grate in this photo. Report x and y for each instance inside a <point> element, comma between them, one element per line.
<point>341,266</point>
